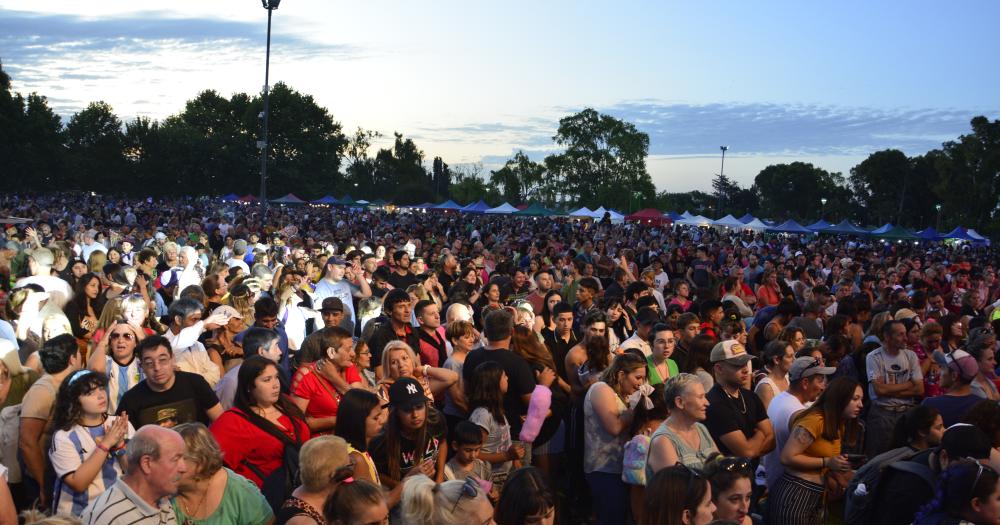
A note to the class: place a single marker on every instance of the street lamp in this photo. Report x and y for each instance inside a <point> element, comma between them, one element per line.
<point>822,213</point>
<point>270,5</point>
<point>938,208</point>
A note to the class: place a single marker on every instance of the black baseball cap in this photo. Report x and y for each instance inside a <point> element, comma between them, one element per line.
<point>406,393</point>
<point>963,440</point>
<point>332,304</point>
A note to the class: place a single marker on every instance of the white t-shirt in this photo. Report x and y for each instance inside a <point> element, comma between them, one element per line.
<point>894,370</point>
<point>58,289</point>
<point>780,412</point>
<point>69,450</point>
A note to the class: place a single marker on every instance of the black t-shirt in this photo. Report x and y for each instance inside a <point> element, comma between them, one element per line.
<point>384,334</point>
<point>700,272</point>
<point>520,381</point>
<point>187,401</point>
<point>446,280</point>
<point>402,281</point>
<point>437,432</point>
<point>559,348</point>
<point>726,415</point>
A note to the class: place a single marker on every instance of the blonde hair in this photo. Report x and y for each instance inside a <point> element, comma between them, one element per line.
<point>319,458</point>
<point>201,447</point>
<point>112,311</point>
<point>429,503</point>
<point>392,346</point>
<point>96,262</point>
<point>419,291</point>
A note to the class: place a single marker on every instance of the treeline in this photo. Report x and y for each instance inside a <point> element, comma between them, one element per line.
<point>211,148</point>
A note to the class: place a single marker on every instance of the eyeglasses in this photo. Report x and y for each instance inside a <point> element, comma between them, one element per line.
<point>469,489</point>
<point>125,335</point>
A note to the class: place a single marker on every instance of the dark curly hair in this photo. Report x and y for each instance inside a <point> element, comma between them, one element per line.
<point>68,409</point>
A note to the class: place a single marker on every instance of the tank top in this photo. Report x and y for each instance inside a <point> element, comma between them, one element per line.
<point>603,452</point>
<point>372,471</point>
<point>691,457</point>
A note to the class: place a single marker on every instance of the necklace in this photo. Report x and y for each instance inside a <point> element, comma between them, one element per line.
<point>737,396</point>
<point>191,515</point>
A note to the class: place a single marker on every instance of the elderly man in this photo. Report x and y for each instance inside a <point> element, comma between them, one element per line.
<point>155,462</point>
<point>40,261</point>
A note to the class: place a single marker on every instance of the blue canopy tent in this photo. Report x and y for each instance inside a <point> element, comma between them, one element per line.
<point>929,234</point>
<point>845,228</point>
<point>673,216</point>
<point>747,219</point>
<point>882,229</point>
<point>347,200</point>
<point>819,225</point>
<point>958,233</point>
<point>326,200</point>
<point>976,237</point>
<point>791,226</point>
<point>230,197</point>
<point>448,205</point>
<point>476,207</point>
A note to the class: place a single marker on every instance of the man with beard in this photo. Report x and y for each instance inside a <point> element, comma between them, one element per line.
<point>543,284</point>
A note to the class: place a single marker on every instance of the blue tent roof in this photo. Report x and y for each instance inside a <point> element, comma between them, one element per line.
<point>882,229</point>
<point>958,233</point>
<point>845,228</point>
<point>746,219</point>
<point>230,197</point>
<point>930,234</point>
<point>477,207</point>
<point>347,200</point>
<point>819,225</point>
<point>448,205</point>
<point>790,226</point>
<point>326,200</point>
<point>672,215</point>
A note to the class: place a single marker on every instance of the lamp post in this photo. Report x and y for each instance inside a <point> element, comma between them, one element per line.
<point>822,213</point>
<point>270,5</point>
<point>938,208</point>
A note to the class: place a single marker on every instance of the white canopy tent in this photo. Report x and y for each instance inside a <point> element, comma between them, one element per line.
<point>695,220</point>
<point>616,218</point>
<point>583,212</point>
<point>503,209</point>
<point>755,225</point>
<point>728,222</point>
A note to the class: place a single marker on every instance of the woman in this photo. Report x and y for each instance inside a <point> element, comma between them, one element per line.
<point>659,366</point>
<point>526,499</point>
<point>920,428</point>
<point>778,357</point>
<point>87,445</point>
<point>682,438</point>
<point>682,293</point>
<point>931,335</point>
<point>698,362</point>
<point>85,307</point>
<point>606,421</point>
<point>192,273</point>
<point>399,360</point>
<point>982,350</point>
<point>489,300</point>
<point>545,321</point>
<point>208,493</point>
<point>262,429</point>
<point>114,256</point>
<point>223,339</point>
<point>325,464</point>
<point>678,496</point>
<point>768,293</point>
<point>967,493</point>
<point>525,344</point>
<point>812,455</point>
<point>467,286</point>
<point>732,488</point>
<point>362,416</point>
<point>426,502</point>
<point>114,356</point>
<point>317,387</point>
<point>356,502</point>
<point>363,364</point>
<point>216,289</point>
<point>793,336</point>
<point>954,332</point>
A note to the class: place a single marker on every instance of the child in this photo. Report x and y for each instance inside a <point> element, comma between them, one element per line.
<point>466,443</point>
<point>649,414</point>
<point>486,392</point>
<point>88,445</point>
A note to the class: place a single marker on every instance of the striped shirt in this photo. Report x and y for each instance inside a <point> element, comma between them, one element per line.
<point>70,448</point>
<point>119,505</point>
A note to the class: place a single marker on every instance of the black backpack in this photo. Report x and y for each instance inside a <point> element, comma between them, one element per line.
<point>279,484</point>
<point>859,505</point>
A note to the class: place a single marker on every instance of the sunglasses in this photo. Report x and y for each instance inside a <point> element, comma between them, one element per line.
<point>125,335</point>
<point>471,488</point>
<point>732,464</point>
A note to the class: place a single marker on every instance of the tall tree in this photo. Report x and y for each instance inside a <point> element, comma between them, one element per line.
<point>795,190</point>
<point>969,182</point>
<point>882,183</point>
<point>519,180</point>
<point>725,191</point>
<point>96,150</point>
<point>440,178</point>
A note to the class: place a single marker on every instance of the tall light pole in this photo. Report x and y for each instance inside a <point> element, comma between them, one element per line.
<point>270,5</point>
<point>722,173</point>
<point>938,208</point>
<point>822,213</point>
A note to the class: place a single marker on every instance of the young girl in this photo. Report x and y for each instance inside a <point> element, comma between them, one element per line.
<point>87,444</point>
<point>648,417</point>
<point>486,391</point>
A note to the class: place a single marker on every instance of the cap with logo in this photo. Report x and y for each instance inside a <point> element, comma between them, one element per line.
<point>332,304</point>
<point>804,367</point>
<point>405,393</point>
<point>730,351</point>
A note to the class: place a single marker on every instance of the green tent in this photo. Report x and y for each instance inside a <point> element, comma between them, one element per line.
<point>898,233</point>
<point>535,210</point>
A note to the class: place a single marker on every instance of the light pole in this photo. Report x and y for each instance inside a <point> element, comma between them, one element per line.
<point>938,208</point>
<point>722,172</point>
<point>822,213</point>
<point>270,5</point>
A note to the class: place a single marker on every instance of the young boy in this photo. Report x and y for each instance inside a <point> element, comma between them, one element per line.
<point>466,443</point>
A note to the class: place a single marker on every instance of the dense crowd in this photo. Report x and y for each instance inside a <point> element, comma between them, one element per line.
<point>195,362</point>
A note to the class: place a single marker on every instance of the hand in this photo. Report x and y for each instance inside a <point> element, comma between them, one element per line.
<point>30,233</point>
<point>838,462</point>
<point>215,320</point>
<point>546,376</point>
<point>427,468</point>
<point>516,451</point>
<point>114,433</point>
<point>105,339</point>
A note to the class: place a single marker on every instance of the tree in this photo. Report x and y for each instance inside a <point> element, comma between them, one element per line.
<point>725,192</point>
<point>604,162</point>
<point>360,177</point>
<point>519,180</point>
<point>440,178</point>
<point>969,171</point>
<point>794,190</point>
<point>695,202</point>
<point>469,186</point>
<point>96,152</point>
<point>401,169</point>
<point>881,184</point>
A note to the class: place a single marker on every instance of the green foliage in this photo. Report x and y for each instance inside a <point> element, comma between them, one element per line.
<point>520,179</point>
<point>795,190</point>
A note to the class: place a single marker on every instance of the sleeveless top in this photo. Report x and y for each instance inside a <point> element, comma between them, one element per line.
<point>654,376</point>
<point>296,507</point>
<point>603,452</point>
<point>694,458</point>
<point>372,471</point>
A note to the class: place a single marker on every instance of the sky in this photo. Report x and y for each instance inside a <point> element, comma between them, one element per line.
<point>473,82</point>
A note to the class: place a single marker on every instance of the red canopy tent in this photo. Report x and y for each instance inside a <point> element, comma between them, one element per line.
<point>247,198</point>
<point>648,216</point>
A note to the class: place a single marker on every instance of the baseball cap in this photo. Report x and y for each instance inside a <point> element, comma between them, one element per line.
<point>730,351</point>
<point>804,367</point>
<point>332,304</point>
<point>963,440</point>
<point>227,311</point>
<point>336,261</point>
<point>962,364</point>
<point>160,236</point>
<point>405,393</point>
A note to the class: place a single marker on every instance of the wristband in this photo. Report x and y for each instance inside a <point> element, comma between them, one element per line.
<point>104,448</point>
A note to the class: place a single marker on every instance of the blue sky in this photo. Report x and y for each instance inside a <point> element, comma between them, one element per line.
<point>474,81</point>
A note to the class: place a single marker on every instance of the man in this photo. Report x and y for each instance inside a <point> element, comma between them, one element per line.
<point>332,312</point>
<point>895,381</point>
<point>257,341</point>
<point>806,381</point>
<point>238,256</point>
<point>595,326</point>
<point>645,320</point>
<point>572,281</point>
<point>736,418</point>
<point>635,291</point>
<point>810,322</point>
<point>712,313</point>
<point>334,284</point>
<point>114,356</point>
<point>687,330</point>
<point>265,315</point>
<point>449,271</point>
<point>40,261</point>
<point>901,491</point>
<point>401,277</point>
<point>155,463</point>
<point>543,284</point>
<point>60,357</point>
<point>167,397</point>
<point>563,338</point>
<point>90,245</point>
<point>397,308</point>
<point>586,300</point>
<point>185,328</point>
<point>433,346</point>
<point>699,274</point>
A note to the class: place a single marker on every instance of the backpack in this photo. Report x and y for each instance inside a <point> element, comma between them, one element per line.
<point>279,484</point>
<point>862,490</point>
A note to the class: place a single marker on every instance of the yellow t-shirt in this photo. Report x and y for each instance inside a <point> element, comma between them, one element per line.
<point>820,447</point>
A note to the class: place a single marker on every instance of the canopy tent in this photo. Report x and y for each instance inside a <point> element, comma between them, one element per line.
<point>897,233</point>
<point>422,206</point>
<point>535,210</point>
<point>959,233</point>
<point>616,218</point>
<point>583,213</point>
<point>882,229</point>
<point>288,199</point>
<point>819,225</point>
<point>230,197</point>
<point>673,216</point>
<point>247,198</point>
<point>756,225</point>
<point>648,216</point>
<point>448,205</point>
<point>976,237</point>
<point>686,215</point>
<point>503,209</point>
<point>790,226</point>
<point>747,219</point>
<point>845,228</point>
<point>347,201</point>
<point>929,234</point>
<point>378,202</point>
<point>728,222</point>
<point>326,200</point>
<point>476,207</point>
<point>695,220</point>
<point>362,202</point>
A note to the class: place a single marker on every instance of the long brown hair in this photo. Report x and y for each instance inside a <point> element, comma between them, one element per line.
<point>830,406</point>
<point>525,343</point>
<point>393,431</point>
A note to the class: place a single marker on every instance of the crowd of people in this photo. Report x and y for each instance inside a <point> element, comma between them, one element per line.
<point>196,362</point>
